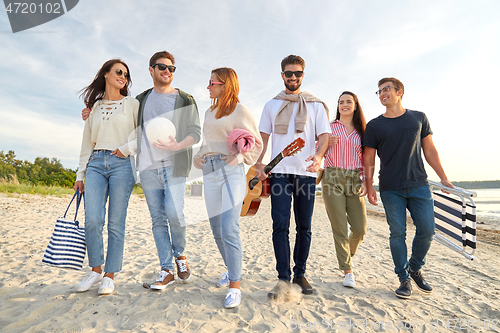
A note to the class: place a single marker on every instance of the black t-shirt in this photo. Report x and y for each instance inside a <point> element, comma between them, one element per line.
<point>398,142</point>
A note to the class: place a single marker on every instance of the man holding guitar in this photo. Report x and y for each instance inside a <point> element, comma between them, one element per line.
<point>258,190</point>
<point>293,114</point>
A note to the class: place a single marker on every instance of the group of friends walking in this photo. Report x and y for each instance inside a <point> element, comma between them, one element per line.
<point>115,149</point>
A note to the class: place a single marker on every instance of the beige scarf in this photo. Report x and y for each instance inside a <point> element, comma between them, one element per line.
<point>285,112</point>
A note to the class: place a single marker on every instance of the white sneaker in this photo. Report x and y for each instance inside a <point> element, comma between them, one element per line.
<point>107,286</point>
<point>233,298</point>
<point>349,281</point>
<point>224,280</point>
<point>88,281</point>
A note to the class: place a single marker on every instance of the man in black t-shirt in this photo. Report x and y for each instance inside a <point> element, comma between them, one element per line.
<point>399,136</point>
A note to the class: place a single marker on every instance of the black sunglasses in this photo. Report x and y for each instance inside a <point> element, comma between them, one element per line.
<point>290,73</point>
<point>162,67</point>
<point>119,72</point>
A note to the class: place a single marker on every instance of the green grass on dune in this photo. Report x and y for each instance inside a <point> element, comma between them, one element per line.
<point>34,189</point>
<point>12,187</point>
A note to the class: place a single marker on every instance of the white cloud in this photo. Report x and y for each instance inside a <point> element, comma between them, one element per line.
<point>42,136</point>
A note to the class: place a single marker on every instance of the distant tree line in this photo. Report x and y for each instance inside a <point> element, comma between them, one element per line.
<point>43,171</point>
<point>50,172</point>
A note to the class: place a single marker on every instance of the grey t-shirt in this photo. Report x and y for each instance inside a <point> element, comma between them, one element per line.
<point>157,105</point>
<point>398,142</point>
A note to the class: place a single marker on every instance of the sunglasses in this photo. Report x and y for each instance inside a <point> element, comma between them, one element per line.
<point>289,74</point>
<point>212,82</point>
<point>162,67</point>
<point>119,72</point>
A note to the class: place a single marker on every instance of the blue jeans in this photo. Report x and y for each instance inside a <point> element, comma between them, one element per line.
<point>107,176</point>
<point>224,189</point>
<point>303,191</point>
<point>418,201</point>
<point>165,198</point>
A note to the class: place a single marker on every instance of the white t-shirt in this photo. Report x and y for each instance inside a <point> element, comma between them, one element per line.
<point>317,123</point>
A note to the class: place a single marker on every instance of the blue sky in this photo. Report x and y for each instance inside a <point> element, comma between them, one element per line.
<point>445,52</point>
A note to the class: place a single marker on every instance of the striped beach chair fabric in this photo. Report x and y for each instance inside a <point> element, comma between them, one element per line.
<point>67,248</point>
<point>455,217</point>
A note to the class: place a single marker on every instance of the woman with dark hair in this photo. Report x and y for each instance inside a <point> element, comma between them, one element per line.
<point>108,142</point>
<point>224,173</point>
<point>343,187</point>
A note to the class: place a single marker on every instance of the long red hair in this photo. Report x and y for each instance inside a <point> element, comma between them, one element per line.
<point>226,104</point>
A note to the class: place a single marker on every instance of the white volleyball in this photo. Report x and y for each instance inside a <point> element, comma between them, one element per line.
<point>160,128</point>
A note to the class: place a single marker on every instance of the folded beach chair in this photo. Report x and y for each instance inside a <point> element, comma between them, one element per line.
<point>455,217</point>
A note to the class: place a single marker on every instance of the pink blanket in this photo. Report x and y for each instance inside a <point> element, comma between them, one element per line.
<point>240,141</point>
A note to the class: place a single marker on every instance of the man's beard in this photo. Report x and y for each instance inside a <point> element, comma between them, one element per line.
<point>160,82</point>
<point>292,88</point>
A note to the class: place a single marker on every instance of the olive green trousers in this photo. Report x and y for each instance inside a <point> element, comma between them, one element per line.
<point>344,206</point>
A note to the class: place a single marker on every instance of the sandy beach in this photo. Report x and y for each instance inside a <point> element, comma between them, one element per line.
<point>38,298</point>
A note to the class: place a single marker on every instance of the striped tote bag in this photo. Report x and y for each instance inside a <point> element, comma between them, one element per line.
<point>66,248</point>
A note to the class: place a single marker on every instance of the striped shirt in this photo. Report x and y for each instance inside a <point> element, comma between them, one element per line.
<point>347,153</point>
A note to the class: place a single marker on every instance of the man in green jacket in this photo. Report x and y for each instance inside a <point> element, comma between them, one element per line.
<point>164,166</point>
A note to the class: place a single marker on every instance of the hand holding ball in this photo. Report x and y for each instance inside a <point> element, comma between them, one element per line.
<point>160,128</point>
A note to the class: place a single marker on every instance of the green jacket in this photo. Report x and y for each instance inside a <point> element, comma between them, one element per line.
<point>187,123</point>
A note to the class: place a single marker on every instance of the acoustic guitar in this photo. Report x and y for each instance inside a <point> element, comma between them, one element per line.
<point>257,190</point>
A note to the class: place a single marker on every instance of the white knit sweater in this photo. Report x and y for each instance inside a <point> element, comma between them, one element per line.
<point>216,131</point>
<point>110,125</point>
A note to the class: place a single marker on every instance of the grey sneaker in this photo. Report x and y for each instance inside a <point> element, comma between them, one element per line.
<point>404,290</point>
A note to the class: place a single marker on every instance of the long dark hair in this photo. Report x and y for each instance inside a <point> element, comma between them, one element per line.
<point>95,91</point>
<point>358,118</point>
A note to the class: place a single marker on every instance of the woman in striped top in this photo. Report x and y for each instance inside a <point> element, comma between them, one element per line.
<point>343,188</point>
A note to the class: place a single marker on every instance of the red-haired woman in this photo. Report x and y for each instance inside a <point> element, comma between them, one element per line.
<point>224,174</point>
<point>342,183</point>
<point>105,164</point>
